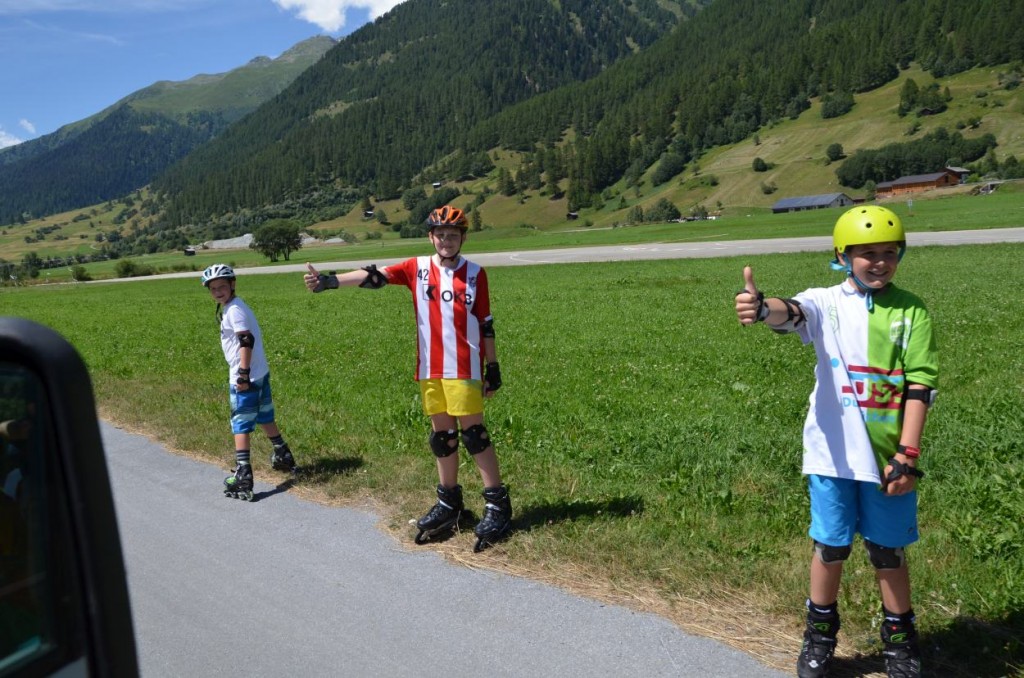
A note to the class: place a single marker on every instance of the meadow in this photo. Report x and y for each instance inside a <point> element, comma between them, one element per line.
<point>652,445</point>
<point>942,210</point>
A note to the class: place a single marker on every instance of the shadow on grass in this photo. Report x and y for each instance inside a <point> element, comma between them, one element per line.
<point>966,648</point>
<point>975,648</point>
<point>318,470</point>
<point>549,513</point>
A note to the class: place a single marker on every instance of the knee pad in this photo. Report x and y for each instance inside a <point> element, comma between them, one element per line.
<point>884,557</point>
<point>476,439</point>
<point>831,554</point>
<point>439,443</point>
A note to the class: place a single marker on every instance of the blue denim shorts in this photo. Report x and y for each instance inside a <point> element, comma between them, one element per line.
<point>841,507</point>
<point>252,406</point>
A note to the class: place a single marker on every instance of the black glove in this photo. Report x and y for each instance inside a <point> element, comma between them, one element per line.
<point>243,377</point>
<point>326,282</point>
<point>492,378</point>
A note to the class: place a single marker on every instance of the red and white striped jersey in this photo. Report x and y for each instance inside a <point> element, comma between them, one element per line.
<point>450,304</point>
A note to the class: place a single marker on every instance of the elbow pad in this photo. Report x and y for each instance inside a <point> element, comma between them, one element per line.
<point>374,279</point>
<point>795,317</point>
<point>246,340</point>
<point>487,328</point>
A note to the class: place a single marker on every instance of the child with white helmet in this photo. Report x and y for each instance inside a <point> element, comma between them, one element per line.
<point>876,375</point>
<point>249,381</point>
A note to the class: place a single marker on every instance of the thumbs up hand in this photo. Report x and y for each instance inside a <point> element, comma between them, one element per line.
<point>312,279</point>
<point>750,306</point>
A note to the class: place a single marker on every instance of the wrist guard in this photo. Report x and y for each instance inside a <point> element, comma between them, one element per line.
<point>762,308</point>
<point>326,282</point>
<point>492,377</point>
<point>900,469</point>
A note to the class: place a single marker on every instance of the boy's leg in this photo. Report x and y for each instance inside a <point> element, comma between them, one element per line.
<point>444,438</point>
<point>244,409</point>
<point>833,519</point>
<point>487,459</point>
<point>892,520</point>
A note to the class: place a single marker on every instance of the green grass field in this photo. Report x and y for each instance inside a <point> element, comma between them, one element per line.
<point>652,445</point>
<point>937,211</point>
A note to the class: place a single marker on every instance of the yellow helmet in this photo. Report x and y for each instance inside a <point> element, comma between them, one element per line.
<point>867,225</point>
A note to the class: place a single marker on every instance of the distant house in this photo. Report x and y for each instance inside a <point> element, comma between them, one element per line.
<point>812,202</point>
<point>916,183</point>
<point>190,251</point>
<point>437,184</point>
<point>368,214</point>
<point>961,172</point>
<point>572,216</point>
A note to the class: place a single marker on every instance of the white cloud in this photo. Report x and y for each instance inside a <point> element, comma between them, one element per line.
<point>27,126</point>
<point>330,14</point>
<point>8,140</point>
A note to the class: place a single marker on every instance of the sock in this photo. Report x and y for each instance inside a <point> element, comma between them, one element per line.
<point>277,441</point>
<point>242,456</point>
<point>823,610</point>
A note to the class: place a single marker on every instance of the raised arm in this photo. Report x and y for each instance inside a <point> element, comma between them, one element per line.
<point>783,315</point>
<point>368,277</point>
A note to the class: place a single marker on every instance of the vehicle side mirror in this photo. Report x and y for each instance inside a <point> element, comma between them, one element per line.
<point>64,605</point>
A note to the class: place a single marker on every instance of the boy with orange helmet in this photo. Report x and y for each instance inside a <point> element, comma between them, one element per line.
<point>456,367</point>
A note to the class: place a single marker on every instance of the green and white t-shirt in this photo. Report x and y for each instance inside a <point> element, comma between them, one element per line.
<point>865,359</point>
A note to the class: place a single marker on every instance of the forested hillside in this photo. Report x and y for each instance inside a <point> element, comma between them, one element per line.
<point>432,78</point>
<point>743,64</point>
<point>122,148</point>
<point>400,94</point>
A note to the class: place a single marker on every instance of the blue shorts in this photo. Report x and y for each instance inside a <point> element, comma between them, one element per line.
<point>252,406</point>
<point>840,508</point>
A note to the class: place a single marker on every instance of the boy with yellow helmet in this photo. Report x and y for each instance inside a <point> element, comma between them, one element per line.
<point>876,374</point>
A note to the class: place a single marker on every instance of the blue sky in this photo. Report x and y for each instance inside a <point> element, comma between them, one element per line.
<point>64,60</point>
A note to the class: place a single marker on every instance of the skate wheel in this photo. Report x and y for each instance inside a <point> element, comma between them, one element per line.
<point>481,544</point>
<point>421,538</point>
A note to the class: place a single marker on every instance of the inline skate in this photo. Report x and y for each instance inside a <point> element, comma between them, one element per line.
<point>282,459</point>
<point>443,516</point>
<point>239,485</point>
<point>497,520</point>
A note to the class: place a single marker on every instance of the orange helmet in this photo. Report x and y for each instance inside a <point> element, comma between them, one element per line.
<point>447,216</point>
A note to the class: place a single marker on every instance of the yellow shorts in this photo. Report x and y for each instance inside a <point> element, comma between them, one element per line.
<point>457,397</point>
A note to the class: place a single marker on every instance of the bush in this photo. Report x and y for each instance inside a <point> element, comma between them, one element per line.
<point>79,274</point>
<point>129,268</point>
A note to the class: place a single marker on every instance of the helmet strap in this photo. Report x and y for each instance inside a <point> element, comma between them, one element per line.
<point>868,293</point>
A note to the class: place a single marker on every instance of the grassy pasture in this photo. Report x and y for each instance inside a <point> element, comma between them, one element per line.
<point>652,445</point>
<point>935,211</point>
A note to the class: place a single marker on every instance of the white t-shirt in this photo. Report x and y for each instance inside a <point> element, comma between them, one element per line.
<point>864,360</point>
<point>238,317</point>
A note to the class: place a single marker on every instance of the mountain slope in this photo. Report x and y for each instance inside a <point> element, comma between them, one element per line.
<point>395,99</point>
<point>124,146</point>
<point>401,93</point>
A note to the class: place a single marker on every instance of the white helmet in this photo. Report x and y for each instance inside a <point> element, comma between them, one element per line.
<point>217,271</point>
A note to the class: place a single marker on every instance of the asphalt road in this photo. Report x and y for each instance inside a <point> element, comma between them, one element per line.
<point>646,251</point>
<point>286,587</point>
